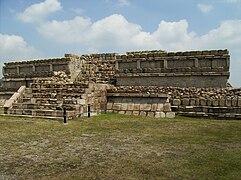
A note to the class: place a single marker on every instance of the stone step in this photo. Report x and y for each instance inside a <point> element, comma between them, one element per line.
<point>57,95</point>
<point>58,101</point>
<point>27,95</point>
<point>42,113</point>
<point>59,90</point>
<point>44,106</point>
<point>207,109</point>
<point>211,115</point>
<point>30,116</point>
<point>59,86</point>
<point>24,100</point>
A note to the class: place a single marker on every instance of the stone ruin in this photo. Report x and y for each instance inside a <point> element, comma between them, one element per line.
<point>147,83</point>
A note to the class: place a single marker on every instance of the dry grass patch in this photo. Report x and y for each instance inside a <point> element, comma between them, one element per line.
<point>113,146</point>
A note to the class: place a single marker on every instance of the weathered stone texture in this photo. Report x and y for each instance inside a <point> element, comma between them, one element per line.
<point>181,69</point>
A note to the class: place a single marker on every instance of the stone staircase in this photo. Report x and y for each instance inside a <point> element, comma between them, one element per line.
<point>47,99</point>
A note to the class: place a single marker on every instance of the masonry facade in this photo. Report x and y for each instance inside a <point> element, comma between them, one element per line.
<point>137,83</point>
<point>180,69</point>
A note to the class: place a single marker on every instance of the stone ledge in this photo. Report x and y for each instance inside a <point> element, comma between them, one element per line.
<point>142,95</point>
<point>120,75</point>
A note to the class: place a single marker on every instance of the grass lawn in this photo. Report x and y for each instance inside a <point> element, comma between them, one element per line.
<point>112,146</point>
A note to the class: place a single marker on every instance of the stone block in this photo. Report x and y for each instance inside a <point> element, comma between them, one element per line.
<point>83,101</point>
<point>142,113</point>
<point>189,109</point>
<point>221,102</point>
<point>97,106</point>
<point>167,107</point>
<point>238,110</point>
<point>239,102</point>
<point>203,102</point>
<point>28,95</point>
<point>8,103</point>
<point>192,102</point>
<point>145,107</point>
<point>136,113</point>
<point>154,107</point>
<point>136,107</point>
<point>102,106</point>
<point>185,102</point>
<point>151,114</point>
<point>21,89</point>
<point>109,105</point>
<point>109,111</point>
<point>170,114</point>
<point>15,96</point>
<point>200,114</point>
<point>209,102</point>
<point>124,106</point>
<point>121,112</point>
<point>215,102</point>
<point>114,111</point>
<point>160,115</point>
<point>228,102</point>
<point>129,112</point>
<point>28,91</point>
<point>130,107</point>
<point>234,102</point>
<point>160,107</point>
<point>117,107</point>
<point>197,101</point>
<point>176,102</point>
<point>238,116</point>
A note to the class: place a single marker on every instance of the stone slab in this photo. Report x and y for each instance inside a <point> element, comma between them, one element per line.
<point>185,102</point>
<point>136,113</point>
<point>151,114</point>
<point>130,107</point>
<point>167,107</point>
<point>160,115</point>
<point>176,102</point>
<point>170,114</point>
<point>142,113</point>
<point>160,107</point>
<point>228,102</point>
<point>136,107</point>
<point>154,107</point>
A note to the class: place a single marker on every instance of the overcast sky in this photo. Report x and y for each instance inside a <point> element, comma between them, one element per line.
<point>31,29</point>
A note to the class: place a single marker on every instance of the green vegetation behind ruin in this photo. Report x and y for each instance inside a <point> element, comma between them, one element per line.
<point>112,146</point>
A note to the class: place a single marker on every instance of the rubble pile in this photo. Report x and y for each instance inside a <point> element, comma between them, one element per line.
<point>179,93</point>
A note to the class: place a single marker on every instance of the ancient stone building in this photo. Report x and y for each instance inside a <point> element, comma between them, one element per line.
<point>148,83</point>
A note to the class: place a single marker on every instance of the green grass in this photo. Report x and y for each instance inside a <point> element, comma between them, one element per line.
<point>112,146</point>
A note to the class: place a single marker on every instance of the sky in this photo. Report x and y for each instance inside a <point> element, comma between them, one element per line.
<point>35,29</point>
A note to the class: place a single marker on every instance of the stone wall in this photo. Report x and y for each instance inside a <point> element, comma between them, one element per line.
<point>23,73</point>
<point>177,69</point>
<point>156,105</point>
<point>201,102</point>
<point>99,68</point>
<point>35,68</point>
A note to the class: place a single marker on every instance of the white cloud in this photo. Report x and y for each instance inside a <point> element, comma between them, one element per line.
<point>123,3</point>
<point>77,10</point>
<point>14,47</point>
<point>228,34</point>
<point>39,11</point>
<point>205,8</point>
<point>68,31</point>
<point>116,32</point>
